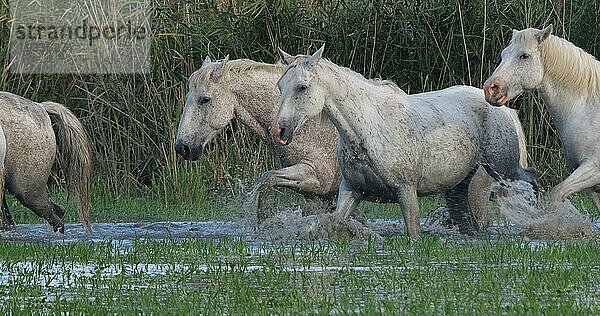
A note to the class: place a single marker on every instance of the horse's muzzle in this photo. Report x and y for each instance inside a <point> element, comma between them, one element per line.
<point>280,135</point>
<point>186,151</point>
<point>495,92</point>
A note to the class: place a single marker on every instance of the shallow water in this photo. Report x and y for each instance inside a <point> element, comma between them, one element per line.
<point>207,230</point>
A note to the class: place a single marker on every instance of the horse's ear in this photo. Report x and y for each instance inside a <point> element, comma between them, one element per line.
<point>543,34</point>
<point>218,71</point>
<point>514,32</point>
<point>314,59</point>
<point>286,58</point>
<point>206,61</point>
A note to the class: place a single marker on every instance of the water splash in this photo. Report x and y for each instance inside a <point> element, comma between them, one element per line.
<point>290,224</point>
<point>518,203</point>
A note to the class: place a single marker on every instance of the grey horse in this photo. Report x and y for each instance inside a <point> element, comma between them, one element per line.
<point>246,90</point>
<point>568,80</point>
<point>4,213</point>
<point>31,147</point>
<point>394,147</point>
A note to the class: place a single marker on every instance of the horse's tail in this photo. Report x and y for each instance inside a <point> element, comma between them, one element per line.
<point>75,155</point>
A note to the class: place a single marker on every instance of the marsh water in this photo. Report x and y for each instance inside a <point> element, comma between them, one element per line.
<point>128,232</point>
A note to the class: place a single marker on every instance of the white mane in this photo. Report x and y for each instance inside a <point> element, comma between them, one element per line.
<point>215,70</point>
<point>300,60</point>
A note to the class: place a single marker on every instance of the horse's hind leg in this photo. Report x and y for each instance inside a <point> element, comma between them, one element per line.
<point>40,204</point>
<point>458,204</point>
<point>6,219</point>
<point>479,192</point>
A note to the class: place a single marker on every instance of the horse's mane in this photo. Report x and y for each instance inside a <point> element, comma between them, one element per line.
<point>213,70</point>
<point>565,62</point>
<point>376,81</point>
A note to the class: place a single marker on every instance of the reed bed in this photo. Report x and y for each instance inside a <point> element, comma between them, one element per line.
<point>421,45</point>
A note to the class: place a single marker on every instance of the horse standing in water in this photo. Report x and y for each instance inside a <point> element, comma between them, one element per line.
<point>31,147</point>
<point>246,90</point>
<point>393,146</point>
<point>568,80</point>
<point>5,216</point>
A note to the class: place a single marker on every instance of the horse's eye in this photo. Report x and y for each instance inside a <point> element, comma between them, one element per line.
<point>524,56</point>
<point>203,100</point>
<point>302,87</point>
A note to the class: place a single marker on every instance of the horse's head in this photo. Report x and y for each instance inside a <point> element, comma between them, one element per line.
<point>301,95</point>
<point>209,107</point>
<point>521,67</point>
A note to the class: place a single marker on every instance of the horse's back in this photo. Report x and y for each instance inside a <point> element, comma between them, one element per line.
<point>30,141</point>
<point>502,141</point>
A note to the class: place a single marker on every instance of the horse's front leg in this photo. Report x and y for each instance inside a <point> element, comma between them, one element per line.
<point>347,200</point>
<point>301,177</point>
<point>407,197</point>
<point>587,175</point>
<point>593,193</point>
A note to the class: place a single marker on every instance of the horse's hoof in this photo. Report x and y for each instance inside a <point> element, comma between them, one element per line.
<point>7,223</point>
<point>57,224</point>
<point>59,229</point>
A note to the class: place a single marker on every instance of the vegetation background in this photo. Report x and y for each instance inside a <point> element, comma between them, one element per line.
<point>420,44</point>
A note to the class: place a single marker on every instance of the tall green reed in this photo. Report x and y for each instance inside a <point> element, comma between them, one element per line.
<point>421,45</point>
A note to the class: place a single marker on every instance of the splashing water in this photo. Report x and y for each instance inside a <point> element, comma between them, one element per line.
<point>518,203</point>
<point>290,224</point>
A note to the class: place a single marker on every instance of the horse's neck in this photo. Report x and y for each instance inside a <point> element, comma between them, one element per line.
<point>571,80</point>
<point>357,108</point>
<point>562,103</point>
<point>257,100</point>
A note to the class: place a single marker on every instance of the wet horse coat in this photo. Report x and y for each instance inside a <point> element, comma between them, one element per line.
<point>31,147</point>
<point>568,80</point>
<point>394,146</point>
<point>5,216</point>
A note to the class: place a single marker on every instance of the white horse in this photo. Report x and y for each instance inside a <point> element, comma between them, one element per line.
<point>568,80</point>
<point>5,216</point>
<point>245,90</point>
<point>393,146</point>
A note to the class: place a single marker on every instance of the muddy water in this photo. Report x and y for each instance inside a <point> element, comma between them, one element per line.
<point>518,213</point>
<point>219,229</point>
<point>165,230</point>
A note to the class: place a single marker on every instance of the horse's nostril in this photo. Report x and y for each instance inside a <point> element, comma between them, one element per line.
<point>282,133</point>
<point>182,149</point>
<point>185,150</point>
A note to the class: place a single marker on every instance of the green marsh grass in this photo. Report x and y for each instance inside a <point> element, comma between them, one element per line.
<point>430,276</point>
